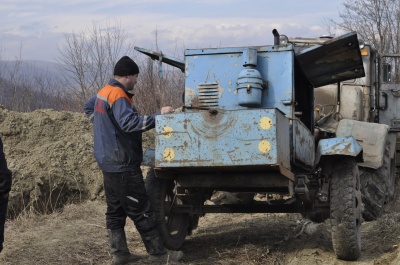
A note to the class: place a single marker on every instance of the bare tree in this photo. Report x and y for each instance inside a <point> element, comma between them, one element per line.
<point>159,84</point>
<point>2,80</point>
<point>154,90</point>
<point>377,22</point>
<point>25,88</point>
<point>87,62</point>
<point>88,57</point>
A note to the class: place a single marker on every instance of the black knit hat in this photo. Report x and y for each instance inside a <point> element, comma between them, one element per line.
<point>126,66</point>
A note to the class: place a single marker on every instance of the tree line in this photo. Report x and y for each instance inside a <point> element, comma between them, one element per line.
<point>86,63</point>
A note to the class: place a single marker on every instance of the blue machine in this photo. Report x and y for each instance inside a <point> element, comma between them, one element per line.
<point>247,126</point>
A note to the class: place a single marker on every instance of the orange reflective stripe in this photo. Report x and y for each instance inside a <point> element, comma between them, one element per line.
<point>112,93</point>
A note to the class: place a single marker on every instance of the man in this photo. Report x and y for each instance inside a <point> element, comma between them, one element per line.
<point>118,151</point>
<point>5,187</point>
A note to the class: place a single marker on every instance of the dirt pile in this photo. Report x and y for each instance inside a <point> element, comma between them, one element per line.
<point>51,156</point>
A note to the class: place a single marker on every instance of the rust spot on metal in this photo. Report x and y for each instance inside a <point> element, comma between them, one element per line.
<point>195,102</point>
<point>212,116</point>
<point>347,148</point>
<point>338,148</point>
<point>212,124</point>
<point>298,130</point>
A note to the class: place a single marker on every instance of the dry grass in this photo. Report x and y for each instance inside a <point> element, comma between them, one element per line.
<point>77,235</point>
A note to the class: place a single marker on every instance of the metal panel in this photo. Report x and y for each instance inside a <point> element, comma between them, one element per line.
<point>221,67</point>
<point>351,102</point>
<point>304,144</point>
<point>390,111</point>
<point>223,139</point>
<point>338,146</point>
<point>371,136</point>
<point>336,60</point>
<point>149,157</point>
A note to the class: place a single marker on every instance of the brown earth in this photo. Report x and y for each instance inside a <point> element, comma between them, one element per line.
<point>57,209</point>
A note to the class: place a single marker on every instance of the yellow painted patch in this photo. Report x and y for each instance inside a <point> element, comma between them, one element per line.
<point>265,123</point>
<point>264,146</point>
<point>169,154</point>
<point>167,131</point>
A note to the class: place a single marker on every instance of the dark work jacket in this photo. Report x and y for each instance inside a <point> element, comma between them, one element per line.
<point>5,174</point>
<point>117,128</point>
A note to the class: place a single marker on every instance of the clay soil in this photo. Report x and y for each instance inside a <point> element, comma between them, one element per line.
<point>57,207</point>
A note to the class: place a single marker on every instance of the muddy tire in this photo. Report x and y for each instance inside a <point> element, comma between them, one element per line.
<point>373,190</point>
<point>173,227</point>
<point>377,186</point>
<point>392,178</point>
<point>345,209</point>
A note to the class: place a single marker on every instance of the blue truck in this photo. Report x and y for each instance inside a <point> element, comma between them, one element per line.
<point>253,122</point>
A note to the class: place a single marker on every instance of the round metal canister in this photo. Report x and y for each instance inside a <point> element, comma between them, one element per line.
<point>250,82</point>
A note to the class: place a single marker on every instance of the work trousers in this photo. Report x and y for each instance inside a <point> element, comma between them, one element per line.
<point>5,186</point>
<point>3,215</point>
<point>126,197</point>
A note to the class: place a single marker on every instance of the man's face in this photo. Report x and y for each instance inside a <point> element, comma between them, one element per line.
<point>131,81</point>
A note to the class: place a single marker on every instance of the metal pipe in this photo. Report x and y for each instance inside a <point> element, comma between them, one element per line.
<point>276,36</point>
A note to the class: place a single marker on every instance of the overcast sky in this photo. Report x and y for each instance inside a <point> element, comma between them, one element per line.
<point>35,28</point>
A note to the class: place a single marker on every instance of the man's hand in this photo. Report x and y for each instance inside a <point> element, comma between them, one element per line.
<point>166,110</point>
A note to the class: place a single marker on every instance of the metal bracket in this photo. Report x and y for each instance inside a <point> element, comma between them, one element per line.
<point>301,188</point>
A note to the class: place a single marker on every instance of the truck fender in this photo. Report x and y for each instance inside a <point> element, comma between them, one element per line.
<point>338,146</point>
<point>149,157</point>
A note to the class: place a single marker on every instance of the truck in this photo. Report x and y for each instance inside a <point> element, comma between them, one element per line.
<point>365,102</point>
<point>256,120</point>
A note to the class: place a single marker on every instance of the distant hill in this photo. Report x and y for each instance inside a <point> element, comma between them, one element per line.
<point>29,85</point>
<point>27,68</point>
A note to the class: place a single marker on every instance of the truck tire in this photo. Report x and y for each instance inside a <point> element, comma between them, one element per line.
<point>345,209</point>
<point>392,178</point>
<point>173,227</point>
<point>377,186</point>
<point>373,189</point>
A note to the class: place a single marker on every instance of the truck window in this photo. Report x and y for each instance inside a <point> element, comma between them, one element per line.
<point>387,78</point>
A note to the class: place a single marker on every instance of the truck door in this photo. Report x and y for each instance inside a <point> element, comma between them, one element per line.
<point>389,101</point>
<point>389,97</point>
<point>336,60</point>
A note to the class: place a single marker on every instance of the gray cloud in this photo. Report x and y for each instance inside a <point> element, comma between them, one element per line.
<point>39,26</point>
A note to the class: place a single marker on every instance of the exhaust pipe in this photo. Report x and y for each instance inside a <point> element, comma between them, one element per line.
<point>276,37</point>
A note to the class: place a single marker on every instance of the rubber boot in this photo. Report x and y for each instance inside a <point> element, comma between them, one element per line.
<point>119,249</point>
<point>157,251</point>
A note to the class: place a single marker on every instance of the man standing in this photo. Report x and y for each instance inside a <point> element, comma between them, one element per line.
<point>5,187</point>
<point>118,151</point>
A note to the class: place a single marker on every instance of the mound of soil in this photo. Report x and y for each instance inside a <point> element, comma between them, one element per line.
<point>51,156</point>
